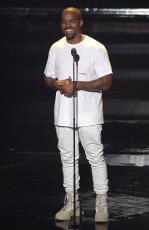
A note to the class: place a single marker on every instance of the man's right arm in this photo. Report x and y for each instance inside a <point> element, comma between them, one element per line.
<point>53,83</point>
<point>49,82</point>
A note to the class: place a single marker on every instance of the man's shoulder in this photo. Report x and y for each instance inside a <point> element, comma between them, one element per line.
<point>59,43</point>
<point>94,42</point>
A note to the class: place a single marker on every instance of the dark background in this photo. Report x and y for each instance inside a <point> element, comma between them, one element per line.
<point>28,28</point>
<point>88,3</point>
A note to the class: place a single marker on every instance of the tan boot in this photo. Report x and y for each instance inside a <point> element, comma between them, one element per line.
<point>102,214</point>
<point>68,210</point>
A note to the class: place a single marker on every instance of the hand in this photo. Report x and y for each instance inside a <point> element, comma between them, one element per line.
<point>60,82</point>
<point>67,88</point>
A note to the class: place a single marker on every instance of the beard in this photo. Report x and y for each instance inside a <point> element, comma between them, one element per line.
<point>69,35</point>
<point>69,38</point>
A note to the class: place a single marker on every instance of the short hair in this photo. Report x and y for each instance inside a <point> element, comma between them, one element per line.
<point>73,9</point>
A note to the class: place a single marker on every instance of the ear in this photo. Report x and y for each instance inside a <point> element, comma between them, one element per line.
<point>81,22</point>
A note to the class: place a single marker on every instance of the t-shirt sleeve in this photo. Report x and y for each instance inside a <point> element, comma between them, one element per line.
<point>102,62</point>
<point>50,67</point>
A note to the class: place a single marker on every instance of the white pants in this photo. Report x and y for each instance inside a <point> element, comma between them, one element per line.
<point>90,137</point>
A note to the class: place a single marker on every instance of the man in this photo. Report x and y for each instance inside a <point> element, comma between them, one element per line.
<point>94,76</point>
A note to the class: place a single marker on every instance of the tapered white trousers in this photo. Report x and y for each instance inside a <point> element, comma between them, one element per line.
<point>90,138</point>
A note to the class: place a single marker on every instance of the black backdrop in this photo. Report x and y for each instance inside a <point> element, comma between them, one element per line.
<point>85,3</point>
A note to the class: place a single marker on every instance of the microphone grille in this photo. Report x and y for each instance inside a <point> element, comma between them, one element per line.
<point>73,51</point>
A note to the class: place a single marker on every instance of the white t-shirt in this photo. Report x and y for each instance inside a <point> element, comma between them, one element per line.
<point>93,63</point>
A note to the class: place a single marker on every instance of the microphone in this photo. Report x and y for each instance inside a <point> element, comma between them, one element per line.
<point>73,52</point>
<point>76,57</point>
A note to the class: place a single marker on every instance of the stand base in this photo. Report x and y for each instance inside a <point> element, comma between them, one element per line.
<point>69,224</point>
<point>74,227</point>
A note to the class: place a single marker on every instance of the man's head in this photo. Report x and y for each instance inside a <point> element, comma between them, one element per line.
<point>71,23</point>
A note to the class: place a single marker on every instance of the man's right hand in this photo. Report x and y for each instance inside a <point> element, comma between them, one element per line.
<point>65,87</point>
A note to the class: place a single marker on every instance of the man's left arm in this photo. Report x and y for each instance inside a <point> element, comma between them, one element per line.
<point>100,84</point>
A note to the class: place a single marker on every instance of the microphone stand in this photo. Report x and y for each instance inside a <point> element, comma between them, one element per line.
<point>75,124</point>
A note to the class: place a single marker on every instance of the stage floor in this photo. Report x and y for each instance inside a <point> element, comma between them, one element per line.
<point>31,191</point>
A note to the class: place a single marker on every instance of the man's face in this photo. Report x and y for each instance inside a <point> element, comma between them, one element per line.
<point>71,24</point>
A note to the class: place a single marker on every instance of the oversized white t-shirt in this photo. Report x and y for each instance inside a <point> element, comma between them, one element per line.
<point>93,63</point>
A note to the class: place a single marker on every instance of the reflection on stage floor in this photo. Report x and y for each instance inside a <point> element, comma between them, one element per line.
<point>31,192</point>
